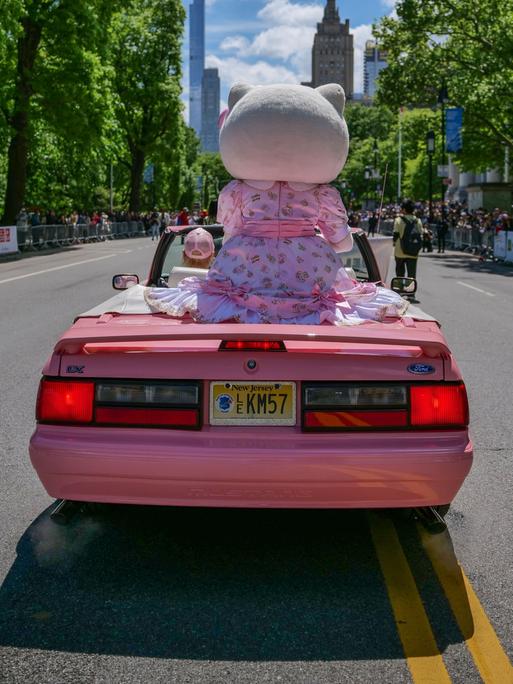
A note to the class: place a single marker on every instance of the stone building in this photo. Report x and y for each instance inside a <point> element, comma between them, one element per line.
<point>333,51</point>
<point>488,189</point>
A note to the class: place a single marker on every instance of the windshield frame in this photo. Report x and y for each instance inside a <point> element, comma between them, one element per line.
<point>217,230</point>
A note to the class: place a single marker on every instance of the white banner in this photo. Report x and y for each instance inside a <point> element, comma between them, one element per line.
<point>499,245</point>
<point>8,239</point>
<point>509,246</point>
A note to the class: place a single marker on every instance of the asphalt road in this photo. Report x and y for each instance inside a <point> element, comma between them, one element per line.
<point>158,595</point>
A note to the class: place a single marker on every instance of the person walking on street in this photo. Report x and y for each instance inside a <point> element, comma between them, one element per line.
<point>373,222</point>
<point>441,232</point>
<point>155,226</point>
<point>407,239</point>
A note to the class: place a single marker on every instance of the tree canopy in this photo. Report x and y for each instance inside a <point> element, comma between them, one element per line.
<point>466,46</point>
<point>85,84</point>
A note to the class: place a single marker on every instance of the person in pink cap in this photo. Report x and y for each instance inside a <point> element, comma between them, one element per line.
<point>198,249</point>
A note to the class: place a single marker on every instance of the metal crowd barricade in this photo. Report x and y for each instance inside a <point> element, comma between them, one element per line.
<point>62,235</point>
<point>24,237</point>
<point>81,232</point>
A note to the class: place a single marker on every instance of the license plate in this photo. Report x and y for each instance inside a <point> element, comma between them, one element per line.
<point>252,403</point>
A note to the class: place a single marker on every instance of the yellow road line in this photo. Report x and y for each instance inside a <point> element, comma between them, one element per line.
<point>420,649</point>
<point>482,642</point>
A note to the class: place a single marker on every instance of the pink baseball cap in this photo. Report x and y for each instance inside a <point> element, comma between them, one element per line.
<point>199,244</point>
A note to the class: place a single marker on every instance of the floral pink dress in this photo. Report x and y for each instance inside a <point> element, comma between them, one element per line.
<point>274,267</point>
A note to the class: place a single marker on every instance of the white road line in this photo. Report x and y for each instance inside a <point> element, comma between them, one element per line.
<point>490,294</point>
<point>56,268</point>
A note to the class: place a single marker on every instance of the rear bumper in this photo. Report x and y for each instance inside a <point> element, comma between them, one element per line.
<point>243,467</point>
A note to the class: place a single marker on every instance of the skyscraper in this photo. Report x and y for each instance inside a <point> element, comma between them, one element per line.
<point>197,61</point>
<point>333,52</point>
<point>210,105</point>
<point>374,60</point>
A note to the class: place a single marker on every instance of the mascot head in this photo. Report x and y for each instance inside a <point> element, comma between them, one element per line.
<point>284,133</point>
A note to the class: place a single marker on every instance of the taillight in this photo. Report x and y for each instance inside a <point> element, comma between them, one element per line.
<point>345,406</point>
<point>129,403</point>
<point>147,417</point>
<point>252,345</point>
<point>341,406</point>
<point>439,405</point>
<point>65,402</point>
<point>148,404</point>
<point>147,394</point>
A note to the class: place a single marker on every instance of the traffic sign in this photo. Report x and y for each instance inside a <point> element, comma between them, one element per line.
<point>447,181</point>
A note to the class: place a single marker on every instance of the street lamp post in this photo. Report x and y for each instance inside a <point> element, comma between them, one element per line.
<point>443,99</point>
<point>375,149</point>
<point>430,149</point>
<point>368,176</point>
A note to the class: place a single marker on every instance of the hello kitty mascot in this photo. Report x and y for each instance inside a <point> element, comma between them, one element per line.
<point>283,224</point>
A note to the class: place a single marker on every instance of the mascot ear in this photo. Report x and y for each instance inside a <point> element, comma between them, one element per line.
<point>335,95</point>
<point>237,93</point>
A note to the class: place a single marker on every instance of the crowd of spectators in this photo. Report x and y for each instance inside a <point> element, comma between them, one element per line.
<point>38,217</point>
<point>454,222</point>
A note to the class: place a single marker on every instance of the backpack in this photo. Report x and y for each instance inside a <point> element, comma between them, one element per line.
<point>411,241</point>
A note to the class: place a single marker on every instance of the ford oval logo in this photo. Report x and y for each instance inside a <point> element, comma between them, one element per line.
<point>420,369</point>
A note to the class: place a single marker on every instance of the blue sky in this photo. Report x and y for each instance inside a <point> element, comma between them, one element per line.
<point>270,41</point>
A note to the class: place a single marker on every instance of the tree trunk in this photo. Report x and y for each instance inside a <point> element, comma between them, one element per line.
<point>136,178</point>
<point>28,45</point>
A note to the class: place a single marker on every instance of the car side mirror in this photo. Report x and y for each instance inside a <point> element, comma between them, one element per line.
<point>407,286</point>
<point>123,281</point>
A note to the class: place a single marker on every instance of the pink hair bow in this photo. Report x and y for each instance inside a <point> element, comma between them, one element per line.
<point>222,117</point>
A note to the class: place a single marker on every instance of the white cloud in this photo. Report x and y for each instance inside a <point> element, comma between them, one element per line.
<point>361,34</point>
<point>389,4</point>
<point>288,13</point>
<point>282,42</point>
<point>233,69</point>
<point>236,43</point>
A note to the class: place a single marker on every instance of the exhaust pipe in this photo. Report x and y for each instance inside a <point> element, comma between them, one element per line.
<point>64,511</point>
<point>431,519</point>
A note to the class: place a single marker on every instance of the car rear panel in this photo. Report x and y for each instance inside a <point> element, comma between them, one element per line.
<point>259,467</point>
<point>264,466</point>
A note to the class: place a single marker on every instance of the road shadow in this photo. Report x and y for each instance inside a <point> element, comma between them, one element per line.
<point>218,584</point>
<point>468,262</point>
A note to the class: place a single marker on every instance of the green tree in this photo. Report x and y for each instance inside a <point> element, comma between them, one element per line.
<point>214,175</point>
<point>146,58</point>
<point>466,45</point>
<point>374,133</point>
<point>373,136</point>
<point>51,67</point>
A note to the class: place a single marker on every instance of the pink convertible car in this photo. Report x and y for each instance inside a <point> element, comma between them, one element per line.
<point>140,408</point>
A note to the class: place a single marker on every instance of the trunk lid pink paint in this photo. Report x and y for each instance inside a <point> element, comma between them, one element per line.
<point>156,346</point>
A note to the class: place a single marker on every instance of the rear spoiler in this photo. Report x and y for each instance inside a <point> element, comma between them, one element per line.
<point>87,334</point>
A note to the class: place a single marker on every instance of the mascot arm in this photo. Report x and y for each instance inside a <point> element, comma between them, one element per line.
<point>229,208</point>
<point>333,220</point>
